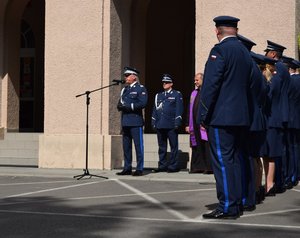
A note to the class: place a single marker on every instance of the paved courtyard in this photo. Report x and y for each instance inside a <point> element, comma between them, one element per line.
<point>156,205</point>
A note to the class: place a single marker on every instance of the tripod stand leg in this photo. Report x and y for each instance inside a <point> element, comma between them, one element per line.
<point>87,173</point>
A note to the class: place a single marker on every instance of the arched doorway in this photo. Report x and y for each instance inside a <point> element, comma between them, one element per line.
<point>27,73</point>
<point>24,65</point>
<point>31,112</point>
<point>169,46</point>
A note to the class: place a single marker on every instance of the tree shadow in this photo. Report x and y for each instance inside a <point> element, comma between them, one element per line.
<point>59,217</point>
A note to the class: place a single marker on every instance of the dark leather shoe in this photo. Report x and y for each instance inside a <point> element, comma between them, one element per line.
<point>124,172</point>
<point>138,173</point>
<point>295,183</point>
<point>280,189</point>
<point>288,185</point>
<point>271,192</point>
<point>216,214</point>
<point>208,172</point>
<point>195,171</point>
<point>249,208</point>
<point>159,170</point>
<point>173,170</point>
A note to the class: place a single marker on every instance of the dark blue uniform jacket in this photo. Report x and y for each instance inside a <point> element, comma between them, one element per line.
<point>279,109</point>
<point>167,110</point>
<point>258,87</point>
<point>225,91</point>
<point>294,101</point>
<point>133,99</point>
<point>283,73</point>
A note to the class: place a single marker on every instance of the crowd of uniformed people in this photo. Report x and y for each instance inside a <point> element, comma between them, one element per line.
<point>247,110</point>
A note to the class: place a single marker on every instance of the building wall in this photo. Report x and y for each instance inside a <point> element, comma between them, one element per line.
<point>2,71</point>
<point>69,49</point>
<point>87,42</point>
<point>75,45</point>
<point>259,21</point>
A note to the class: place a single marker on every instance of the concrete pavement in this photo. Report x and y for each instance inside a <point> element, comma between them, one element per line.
<point>51,203</point>
<point>182,176</point>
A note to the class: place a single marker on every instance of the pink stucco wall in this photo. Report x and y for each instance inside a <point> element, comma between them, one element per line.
<point>259,21</point>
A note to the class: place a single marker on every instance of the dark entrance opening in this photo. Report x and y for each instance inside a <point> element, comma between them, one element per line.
<point>31,113</point>
<point>170,48</point>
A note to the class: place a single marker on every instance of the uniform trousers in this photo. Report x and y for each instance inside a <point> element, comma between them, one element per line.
<point>136,134</point>
<point>298,153</point>
<point>248,179</point>
<point>227,145</point>
<point>291,173</point>
<point>163,135</point>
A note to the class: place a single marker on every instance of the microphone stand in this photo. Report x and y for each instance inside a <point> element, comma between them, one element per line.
<point>87,93</point>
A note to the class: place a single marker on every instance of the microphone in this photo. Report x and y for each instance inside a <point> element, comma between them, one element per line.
<point>118,81</point>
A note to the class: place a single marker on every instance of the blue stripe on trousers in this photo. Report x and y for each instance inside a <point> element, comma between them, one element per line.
<point>142,145</point>
<point>243,173</point>
<point>223,171</point>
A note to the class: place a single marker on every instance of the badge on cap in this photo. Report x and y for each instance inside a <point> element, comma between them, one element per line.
<point>167,78</point>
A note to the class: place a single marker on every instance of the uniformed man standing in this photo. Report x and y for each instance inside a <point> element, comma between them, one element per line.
<point>166,119</point>
<point>132,101</point>
<point>279,116</point>
<point>224,110</point>
<point>251,165</point>
<point>292,177</point>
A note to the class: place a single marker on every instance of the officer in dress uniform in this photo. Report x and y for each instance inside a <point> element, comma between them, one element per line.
<point>257,142</point>
<point>292,171</point>
<point>132,101</point>
<point>166,119</point>
<point>278,119</point>
<point>251,165</point>
<point>224,111</point>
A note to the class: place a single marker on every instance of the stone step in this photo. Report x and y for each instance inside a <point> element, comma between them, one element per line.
<point>19,149</point>
<point>22,149</point>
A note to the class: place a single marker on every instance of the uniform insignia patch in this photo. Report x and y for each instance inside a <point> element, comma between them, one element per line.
<point>213,57</point>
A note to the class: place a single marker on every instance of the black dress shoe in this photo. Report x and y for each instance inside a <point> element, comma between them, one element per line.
<point>295,183</point>
<point>173,170</point>
<point>196,171</point>
<point>208,172</point>
<point>280,189</point>
<point>216,214</point>
<point>138,173</point>
<point>249,208</point>
<point>124,172</point>
<point>271,192</point>
<point>159,170</point>
<point>288,185</point>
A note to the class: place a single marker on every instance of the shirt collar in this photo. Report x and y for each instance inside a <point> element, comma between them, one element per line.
<point>168,90</point>
<point>227,37</point>
<point>131,85</point>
